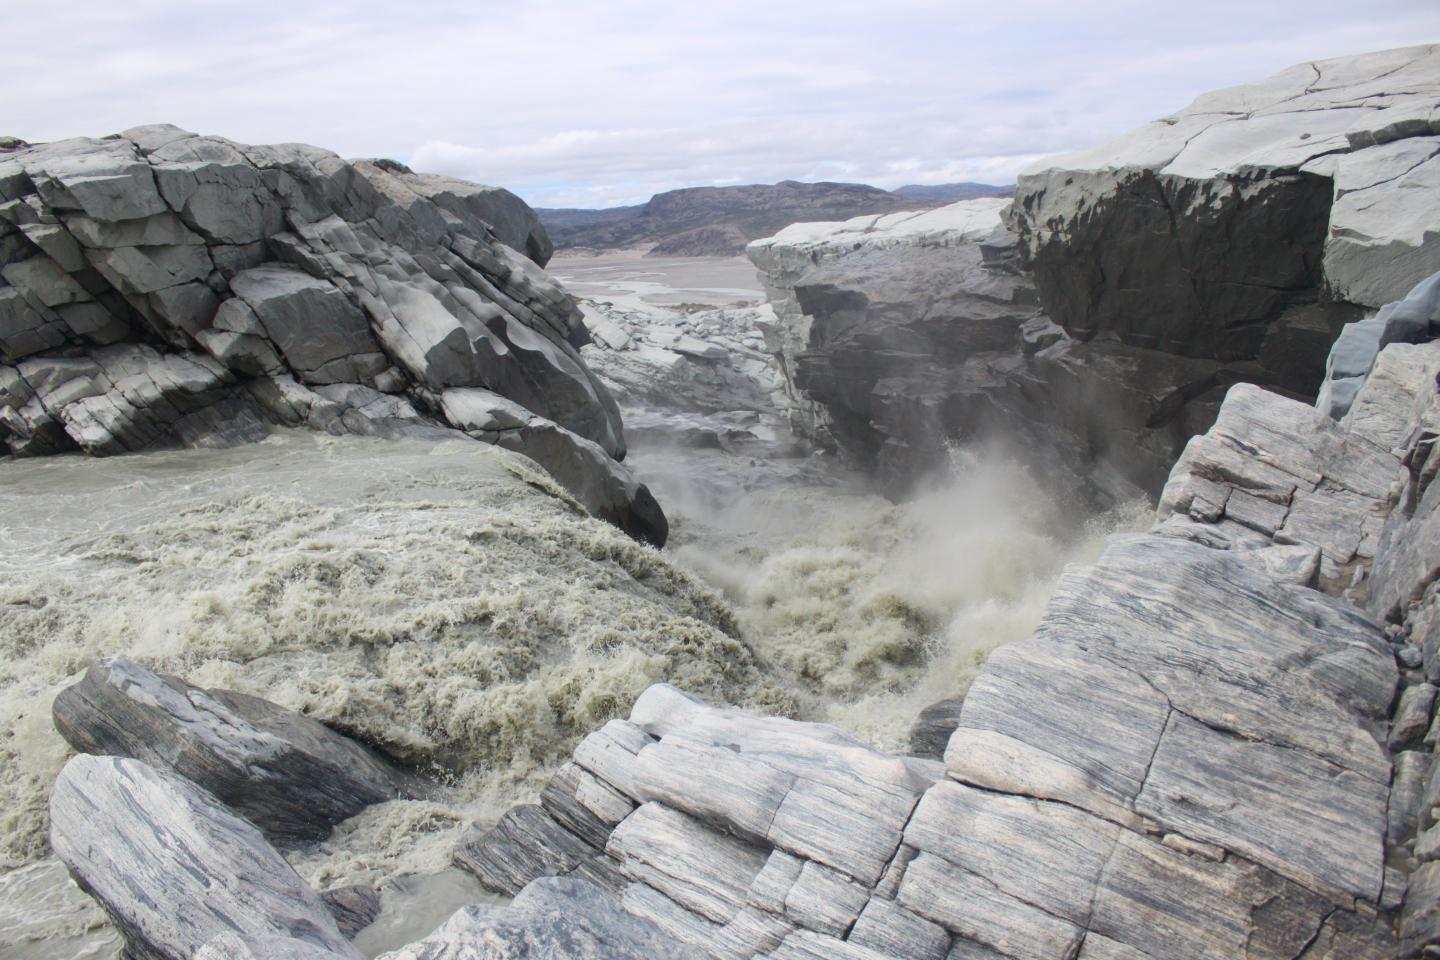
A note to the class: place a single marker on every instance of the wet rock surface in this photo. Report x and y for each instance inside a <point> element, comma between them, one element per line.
<point>292,777</point>
<point>173,868</point>
<point>159,288</point>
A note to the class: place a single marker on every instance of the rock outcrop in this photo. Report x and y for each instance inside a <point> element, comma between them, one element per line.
<point>1242,226</point>
<point>160,288</point>
<point>174,869</point>
<point>898,333</point>
<point>1213,739</point>
<point>1134,284</point>
<point>292,777</point>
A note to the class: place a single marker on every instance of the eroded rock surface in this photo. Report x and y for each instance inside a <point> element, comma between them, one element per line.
<point>159,288</point>
<point>174,869</point>
<point>292,777</point>
<point>1205,742</point>
<point>1203,233</point>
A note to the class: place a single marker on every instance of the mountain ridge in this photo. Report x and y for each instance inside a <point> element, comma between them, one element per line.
<point>719,221</point>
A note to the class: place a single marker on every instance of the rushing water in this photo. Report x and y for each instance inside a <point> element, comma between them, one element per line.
<point>444,603</point>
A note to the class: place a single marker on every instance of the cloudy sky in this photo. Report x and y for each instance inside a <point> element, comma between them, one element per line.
<point>591,104</point>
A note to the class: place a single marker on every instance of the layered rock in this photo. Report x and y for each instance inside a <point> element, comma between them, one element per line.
<point>1202,743</point>
<point>182,877</point>
<point>174,869</point>
<point>560,919</point>
<point>289,775</point>
<point>1213,232</point>
<point>896,334</point>
<point>160,288</point>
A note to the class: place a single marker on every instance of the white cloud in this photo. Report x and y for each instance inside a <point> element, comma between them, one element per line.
<point>574,103</point>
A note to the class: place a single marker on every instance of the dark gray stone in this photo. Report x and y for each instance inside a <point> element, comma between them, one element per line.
<point>291,776</point>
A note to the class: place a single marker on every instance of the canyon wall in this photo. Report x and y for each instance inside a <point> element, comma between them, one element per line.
<point>159,288</point>
<point>1218,744</point>
<point>1129,285</point>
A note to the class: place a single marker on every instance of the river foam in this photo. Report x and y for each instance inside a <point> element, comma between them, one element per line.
<point>441,601</point>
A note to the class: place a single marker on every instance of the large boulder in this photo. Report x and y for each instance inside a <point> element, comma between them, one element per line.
<point>157,288</point>
<point>897,334</point>
<point>174,869</point>
<point>1203,232</point>
<point>292,777</point>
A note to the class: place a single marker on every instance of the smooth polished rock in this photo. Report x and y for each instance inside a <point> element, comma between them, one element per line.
<point>289,775</point>
<point>551,918</point>
<point>173,868</point>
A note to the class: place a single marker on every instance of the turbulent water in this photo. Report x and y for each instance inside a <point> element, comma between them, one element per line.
<point>445,602</point>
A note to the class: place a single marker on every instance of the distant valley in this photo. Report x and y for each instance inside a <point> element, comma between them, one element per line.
<point>719,221</point>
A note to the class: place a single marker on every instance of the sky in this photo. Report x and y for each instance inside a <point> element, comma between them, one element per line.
<point>596,104</point>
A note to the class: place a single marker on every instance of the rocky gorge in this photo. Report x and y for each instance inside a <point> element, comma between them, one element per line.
<point>294,667</point>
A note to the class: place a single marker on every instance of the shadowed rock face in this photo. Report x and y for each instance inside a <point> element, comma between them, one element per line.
<point>1197,233</point>
<point>289,775</point>
<point>1199,268</point>
<point>174,869</point>
<point>159,288</point>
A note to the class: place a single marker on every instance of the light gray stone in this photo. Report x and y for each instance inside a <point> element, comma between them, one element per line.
<point>553,918</point>
<point>288,774</point>
<point>173,868</point>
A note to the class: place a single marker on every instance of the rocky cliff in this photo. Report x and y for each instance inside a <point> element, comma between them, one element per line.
<point>1129,284</point>
<point>161,288</point>
<point>1200,752</point>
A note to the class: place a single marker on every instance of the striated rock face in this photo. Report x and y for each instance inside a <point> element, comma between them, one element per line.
<point>1135,283</point>
<point>896,334</point>
<point>1210,740</point>
<point>174,869</point>
<point>554,919</point>
<point>159,288</point>
<point>1209,232</point>
<point>289,775</point>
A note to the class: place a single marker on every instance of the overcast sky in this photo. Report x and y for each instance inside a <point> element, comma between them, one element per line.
<point>591,104</point>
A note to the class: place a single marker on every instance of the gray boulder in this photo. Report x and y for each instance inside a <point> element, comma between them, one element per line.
<point>292,777</point>
<point>607,489</point>
<point>1413,319</point>
<point>174,869</point>
<point>209,271</point>
<point>552,918</point>
<point>1197,233</point>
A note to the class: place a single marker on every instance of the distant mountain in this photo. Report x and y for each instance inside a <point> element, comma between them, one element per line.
<point>719,221</point>
<point>951,192</point>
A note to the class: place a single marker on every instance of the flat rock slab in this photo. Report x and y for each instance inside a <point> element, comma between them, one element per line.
<point>173,868</point>
<point>289,775</point>
<point>1250,712</point>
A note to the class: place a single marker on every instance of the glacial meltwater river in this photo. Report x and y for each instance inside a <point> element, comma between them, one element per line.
<point>433,599</point>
